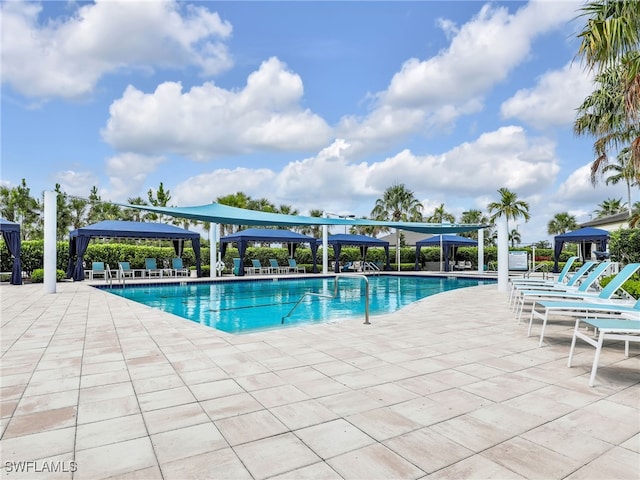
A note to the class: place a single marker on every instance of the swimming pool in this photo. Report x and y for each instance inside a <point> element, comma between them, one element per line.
<point>244,306</point>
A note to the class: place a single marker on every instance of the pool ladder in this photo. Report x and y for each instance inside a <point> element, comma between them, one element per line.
<point>335,294</point>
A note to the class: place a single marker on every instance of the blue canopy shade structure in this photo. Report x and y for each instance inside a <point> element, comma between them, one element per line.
<point>447,242</point>
<point>217,213</point>
<point>362,241</point>
<point>79,240</point>
<point>582,235</point>
<point>243,237</point>
<point>11,236</point>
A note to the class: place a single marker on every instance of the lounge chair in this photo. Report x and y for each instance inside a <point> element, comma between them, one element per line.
<point>608,329</point>
<point>178,267</point>
<point>570,290</point>
<point>151,267</point>
<point>124,270</point>
<point>295,268</point>
<point>562,279</point>
<point>585,304</point>
<point>258,268</point>
<point>533,283</point>
<point>236,266</point>
<point>276,268</point>
<point>562,276</point>
<point>97,270</point>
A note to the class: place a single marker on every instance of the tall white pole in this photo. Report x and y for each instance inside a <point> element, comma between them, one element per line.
<point>503,255</point>
<point>213,249</point>
<point>325,248</point>
<point>481,251</point>
<point>50,226</point>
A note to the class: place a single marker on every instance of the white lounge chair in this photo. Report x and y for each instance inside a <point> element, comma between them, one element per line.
<point>563,278</point>
<point>570,290</point>
<point>607,329</point>
<point>586,304</point>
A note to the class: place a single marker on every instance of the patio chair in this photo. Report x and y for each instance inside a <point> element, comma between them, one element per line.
<point>151,267</point>
<point>178,267</point>
<point>258,268</point>
<point>570,290</point>
<point>97,269</point>
<point>236,266</point>
<point>562,276</point>
<point>571,281</point>
<point>124,270</point>
<point>578,306</point>
<point>276,268</point>
<point>295,268</point>
<point>608,329</point>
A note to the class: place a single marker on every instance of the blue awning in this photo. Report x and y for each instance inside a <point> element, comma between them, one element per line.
<point>446,241</point>
<point>79,239</point>
<point>266,235</point>
<point>586,234</point>
<point>224,214</point>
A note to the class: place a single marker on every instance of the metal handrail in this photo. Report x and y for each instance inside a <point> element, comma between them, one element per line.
<point>107,275</point>
<point>370,266</point>
<point>335,294</point>
<point>122,275</point>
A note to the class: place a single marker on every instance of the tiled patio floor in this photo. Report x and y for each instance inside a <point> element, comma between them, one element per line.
<point>448,388</point>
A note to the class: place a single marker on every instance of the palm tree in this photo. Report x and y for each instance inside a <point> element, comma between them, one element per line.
<point>542,244</point>
<point>509,207</point>
<point>133,214</point>
<point>623,171</point>
<point>514,237</point>
<point>611,206</point>
<point>441,216</point>
<point>397,204</point>
<point>475,217</point>
<point>561,223</point>
<point>610,47</point>
<point>634,221</point>
<point>313,230</point>
<point>238,200</point>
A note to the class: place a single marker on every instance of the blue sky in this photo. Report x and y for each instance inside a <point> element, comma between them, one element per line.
<point>313,104</point>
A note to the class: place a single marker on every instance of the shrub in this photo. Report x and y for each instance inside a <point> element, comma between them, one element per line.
<point>37,276</point>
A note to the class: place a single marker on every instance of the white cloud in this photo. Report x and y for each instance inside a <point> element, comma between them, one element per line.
<point>75,183</point>
<point>463,177</point>
<point>205,188</point>
<point>68,56</point>
<point>127,173</point>
<point>552,102</point>
<point>434,92</point>
<point>209,121</point>
<point>577,190</point>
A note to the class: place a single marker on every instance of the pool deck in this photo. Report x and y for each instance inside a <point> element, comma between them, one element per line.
<point>450,387</point>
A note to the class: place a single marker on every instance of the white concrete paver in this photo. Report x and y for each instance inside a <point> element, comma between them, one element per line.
<point>449,387</point>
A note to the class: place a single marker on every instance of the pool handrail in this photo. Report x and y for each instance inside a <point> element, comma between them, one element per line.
<point>335,294</point>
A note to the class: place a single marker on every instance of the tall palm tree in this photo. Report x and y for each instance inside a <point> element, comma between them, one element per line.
<point>610,206</point>
<point>562,223</point>
<point>509,207</point>
<point>609,46</point>
<point>441,216</point>
<point>397,204</point>
<point>624,170</point>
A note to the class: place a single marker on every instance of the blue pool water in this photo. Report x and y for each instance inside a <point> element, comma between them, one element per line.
<point>241,306</point>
